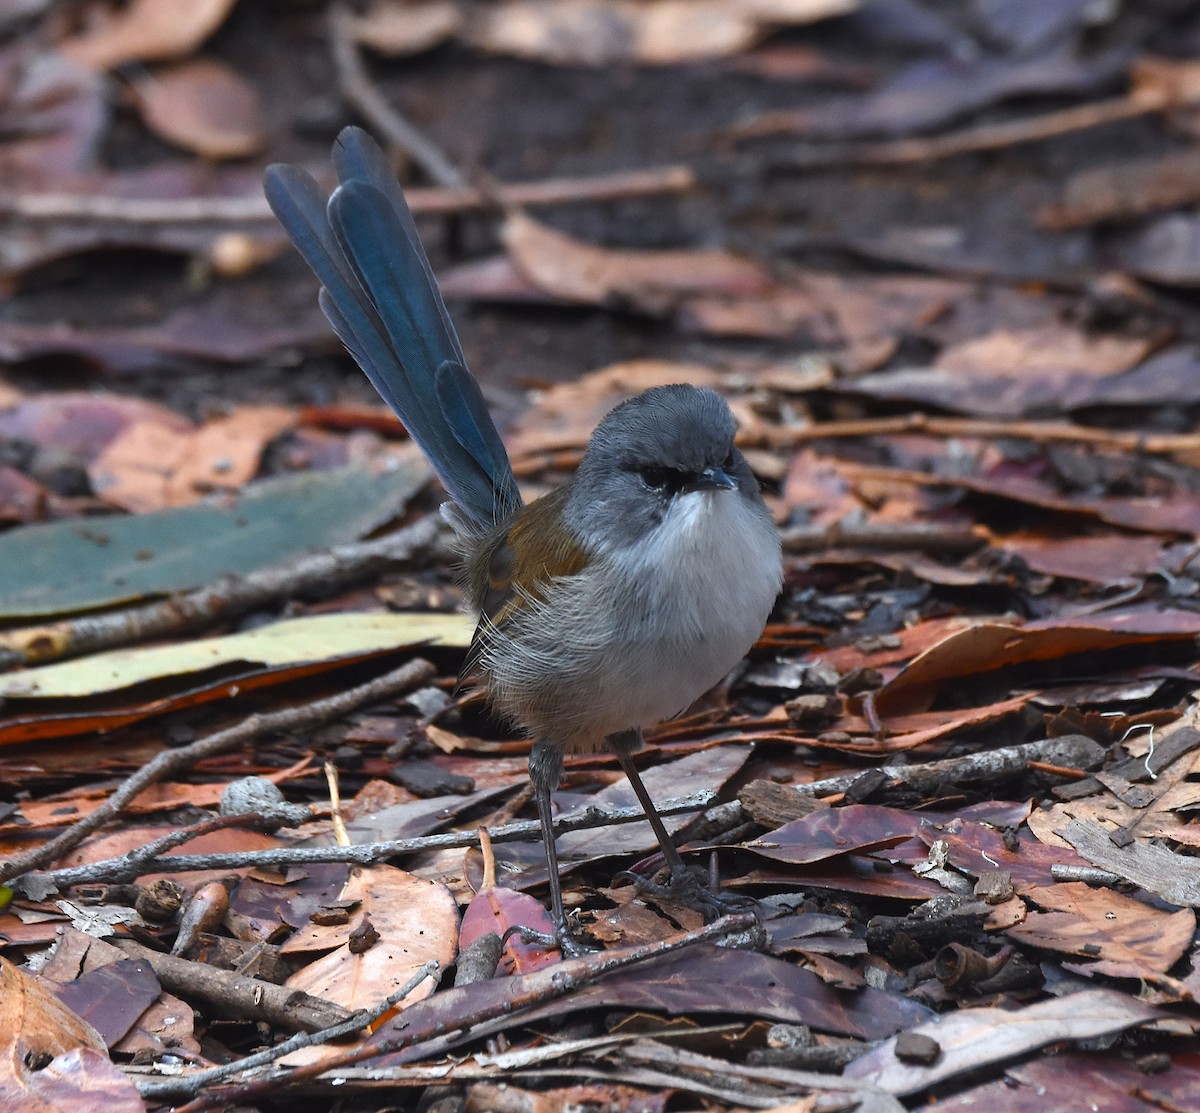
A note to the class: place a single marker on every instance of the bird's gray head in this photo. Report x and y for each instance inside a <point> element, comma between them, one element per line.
<point>649,453</point>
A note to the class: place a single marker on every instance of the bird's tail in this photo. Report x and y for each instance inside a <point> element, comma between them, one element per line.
<point>379,293</point>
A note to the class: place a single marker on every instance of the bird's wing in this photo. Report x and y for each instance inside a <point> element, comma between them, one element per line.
<point>514,568</point>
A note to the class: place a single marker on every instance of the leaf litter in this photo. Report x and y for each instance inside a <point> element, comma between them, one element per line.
<point>957,777</point>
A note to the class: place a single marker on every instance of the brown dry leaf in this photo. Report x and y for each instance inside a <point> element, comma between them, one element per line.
<point>1111,559</point>
<point>974,1038</point>
<point>147,31</point>
<point>80,423</point>
<point>1147,810</point>
<point>228,840</point>
<point>1135,940</point>
<point>1172,82</point>
<point>416,920</point>
<point>653,282</point>
<point>150,466</point>
<point>36,1026</point>
<point>661,32</point>
<point>986,646</point>
<point>1125,190</point>
<point>397,27</point>
<point>133,469</point>
<point>21,499</point>
<point>1014,372</point>
<point>829,310</point>
<point>565,414</point>
<point>1052,350</point>
<point>204,106</point>
<point>165,1025</point>
<point>225,454</point>
<point>162,797</point>
<point>10,395</point>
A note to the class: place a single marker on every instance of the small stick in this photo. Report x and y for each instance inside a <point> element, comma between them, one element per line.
<point>191,1084</point>
<point>1042,432</point>
<point>236,994</point>
<point>527,991</point>
<point>401,679</point>
<point>424,201</point>
<point>127,867</point>
<point>972,140</point>
<point>231,595</point>
<point>360,91</point>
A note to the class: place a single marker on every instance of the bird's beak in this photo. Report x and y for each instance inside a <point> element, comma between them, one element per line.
<point>714,479</point>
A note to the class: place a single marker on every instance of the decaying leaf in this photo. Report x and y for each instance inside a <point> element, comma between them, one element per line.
<point>204,106</point>
<point>147,31</point>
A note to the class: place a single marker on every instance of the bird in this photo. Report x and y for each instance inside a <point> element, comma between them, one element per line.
<point>606,606</point>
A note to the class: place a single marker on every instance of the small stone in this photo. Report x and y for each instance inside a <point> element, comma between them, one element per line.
<point>913,1047</point>
<point>348,757</point>
<point>1157,1062</point>
<point>362,938</point>
<point>812,710</point>
<point>857,681</point>
<point>427,779</point>
<point>159,901</point>
<point>994,886</point>
<point>427,702</point>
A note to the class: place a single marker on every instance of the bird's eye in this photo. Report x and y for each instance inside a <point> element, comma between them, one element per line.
<point>670,480</point>
<point>728,465</point>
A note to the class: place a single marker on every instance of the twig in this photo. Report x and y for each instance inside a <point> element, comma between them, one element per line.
<point>127,867</point>
<point>524,991</point>
<point>236,994</point>
<point>930,537</point>
<point>407,676</point>
<point>985,137</point>
<point>1042,432</point>
<point>191,1084</point>
<point>1072,751</point>
<point>358,90</point>
<point>231,595</point>
<point>428,201</point>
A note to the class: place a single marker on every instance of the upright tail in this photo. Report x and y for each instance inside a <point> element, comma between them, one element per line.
<point>379,293</point>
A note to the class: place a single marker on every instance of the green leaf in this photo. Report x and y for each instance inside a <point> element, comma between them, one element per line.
<point>295,641</point>
<point>82,565</point>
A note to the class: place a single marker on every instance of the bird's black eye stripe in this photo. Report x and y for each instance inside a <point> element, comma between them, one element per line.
<point>729,463</point>
<point>670,480</point>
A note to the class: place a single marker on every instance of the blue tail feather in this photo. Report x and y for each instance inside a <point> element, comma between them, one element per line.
<point>380,296</point>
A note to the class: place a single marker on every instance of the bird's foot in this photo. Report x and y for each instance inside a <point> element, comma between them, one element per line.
<point>568,944</point>
<point>694,889</point>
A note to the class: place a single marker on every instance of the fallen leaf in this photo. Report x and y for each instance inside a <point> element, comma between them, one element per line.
<point>974,1038</point>
<point>1127,937</point>
<point>564,415</point>
<point>653,282</point>
<point>415,921</point>
<point>280,643</point>
<point>399,28</point>
<point>148,467</point>
<point>65,567</point>
<point>599,32</point>
<point>51,1059</point>
<point>204,106</point>
<point>147,31</point>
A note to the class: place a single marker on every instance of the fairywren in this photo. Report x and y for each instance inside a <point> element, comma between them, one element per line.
<point>607,605</point>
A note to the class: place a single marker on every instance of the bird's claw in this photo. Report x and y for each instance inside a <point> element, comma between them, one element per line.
<point>690,888</point>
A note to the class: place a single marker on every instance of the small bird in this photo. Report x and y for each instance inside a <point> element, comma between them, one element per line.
<point>611,603</point>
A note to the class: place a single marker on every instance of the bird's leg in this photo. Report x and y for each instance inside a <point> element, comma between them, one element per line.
<point>686,886</point>
<point>545,771</point>
<point>624,746</point>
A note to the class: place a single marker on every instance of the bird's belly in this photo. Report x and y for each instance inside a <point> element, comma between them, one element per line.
<point>637,641</point>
